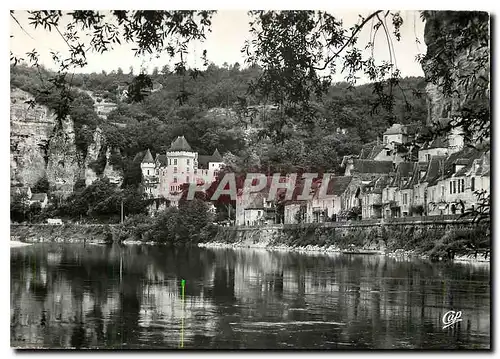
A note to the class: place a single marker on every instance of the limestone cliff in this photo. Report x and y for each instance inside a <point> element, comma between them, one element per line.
<point>115,175</point>
<point>41,146</point>
<point>62,158</point>
<point>92,155</point>
<point>31,126</point>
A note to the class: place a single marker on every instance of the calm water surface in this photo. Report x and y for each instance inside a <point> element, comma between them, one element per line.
<point>130,297</point>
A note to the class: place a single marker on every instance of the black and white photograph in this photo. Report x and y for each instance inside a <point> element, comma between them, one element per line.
<point>193,180</point>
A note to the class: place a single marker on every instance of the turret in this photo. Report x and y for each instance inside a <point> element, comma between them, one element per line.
<point>148,164</point>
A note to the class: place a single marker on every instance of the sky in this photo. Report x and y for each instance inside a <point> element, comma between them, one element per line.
<point>230,29</point>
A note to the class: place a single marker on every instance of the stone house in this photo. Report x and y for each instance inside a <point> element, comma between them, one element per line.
<point>371,198</point>
<point>255,209</point>
<point>292,210</point>
<point>328,209</point>
<point>394,202</point>
<point>419,199</point>
<point>454,188</point>
<point>40,198</point>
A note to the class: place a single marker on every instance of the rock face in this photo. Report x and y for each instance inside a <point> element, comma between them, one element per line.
<point>115,176</point>
<point>31,127</point>
<point>41,146</point>
<point>468,65</point>
<point>62,166</point>
<point>92,154</point>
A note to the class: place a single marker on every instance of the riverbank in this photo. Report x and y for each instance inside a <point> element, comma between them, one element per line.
<point>16,244</point>
<point>399,253</point>
<point>438,240</point>
<point>67,233</point>
<point>459,240</point>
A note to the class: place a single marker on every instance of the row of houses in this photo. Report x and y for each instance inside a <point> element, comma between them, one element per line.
<point>386,180</point>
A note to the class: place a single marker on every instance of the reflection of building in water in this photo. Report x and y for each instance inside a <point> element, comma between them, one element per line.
<point>161,305</point>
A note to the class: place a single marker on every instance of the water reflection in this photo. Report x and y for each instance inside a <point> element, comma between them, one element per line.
<point>130,297</point>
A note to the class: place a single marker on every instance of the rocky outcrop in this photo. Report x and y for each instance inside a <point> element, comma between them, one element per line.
<point>114,175</point>
<point>42,146</point>
<point>62,166</point>
<point>31,127</point>
<point>92,155</point>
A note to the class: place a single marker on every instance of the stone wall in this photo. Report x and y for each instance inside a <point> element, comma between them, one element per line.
<point>405,234</point>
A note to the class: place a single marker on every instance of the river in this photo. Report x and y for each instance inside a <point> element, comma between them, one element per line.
<point>131,297</point>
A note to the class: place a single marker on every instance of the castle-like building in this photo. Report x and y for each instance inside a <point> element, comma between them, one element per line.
<point>164,175</point>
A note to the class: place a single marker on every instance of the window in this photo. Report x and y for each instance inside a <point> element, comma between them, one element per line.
<point>463,184</point>
<point>388,152</point>
<point>187,179</point>
<point>195,171</point>
<point>148,172</point>
<point>187,169</point>
<point>427,157</point>
<point>405,198</point>
<point>175,169</point>
<point>170,161</point>
<point>213,164</point>
<point>175,161</point>
<point>451,187</point>
<point>442,191</point>
<point>175,179</point>
<point>472,183</point>
<point>187,161</point>
<point>454,186</point>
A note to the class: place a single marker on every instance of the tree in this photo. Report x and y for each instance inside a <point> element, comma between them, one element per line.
<point>290,47</point>
<point>19,206</point>
<point>140,87</point>
<point>41,186</point>
<point>165,70</point>
<point>150,31</point>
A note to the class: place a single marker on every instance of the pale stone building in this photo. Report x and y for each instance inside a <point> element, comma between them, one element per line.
<point>164,176</point>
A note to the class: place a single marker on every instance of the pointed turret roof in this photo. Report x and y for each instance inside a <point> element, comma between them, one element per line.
<point>180,144</point>
<point>216,157</point>
<point>148,158</point>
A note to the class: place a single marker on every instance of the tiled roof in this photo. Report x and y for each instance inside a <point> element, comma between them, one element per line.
<point>161,160</point>
<point>395,129</point>
<point>434,169</point>
<point>216,157</point>
<point>338,184</point>
<point>446,169</point>
<point>371,166</point>
<point>39,197</point>
<point>148,158</point>
<point>438,142</point>
<point>378,184</point>
<point>180,144</point>
<point>203,160</point>
<point>375,151</point>
<point>405,169</point>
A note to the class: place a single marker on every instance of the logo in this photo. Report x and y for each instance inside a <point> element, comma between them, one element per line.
<point>451,317</point>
